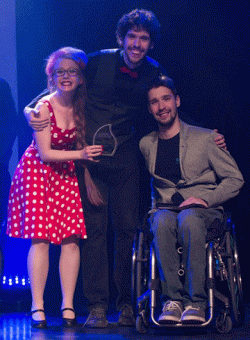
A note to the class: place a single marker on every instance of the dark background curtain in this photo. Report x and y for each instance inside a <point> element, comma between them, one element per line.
<point>204,47</point>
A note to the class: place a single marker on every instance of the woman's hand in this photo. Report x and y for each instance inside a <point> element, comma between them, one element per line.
<point>91,151</point>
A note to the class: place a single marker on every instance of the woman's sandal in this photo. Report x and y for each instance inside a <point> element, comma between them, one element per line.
<point>41,324</point>
<point>69,322</point>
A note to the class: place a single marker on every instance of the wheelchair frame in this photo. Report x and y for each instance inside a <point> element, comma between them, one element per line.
<point>222,261</point>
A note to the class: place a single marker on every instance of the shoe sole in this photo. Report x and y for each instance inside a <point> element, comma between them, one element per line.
<point>126,324</point>
<point>193,321</point>
<point>169,321</point>
<point>101,325</point>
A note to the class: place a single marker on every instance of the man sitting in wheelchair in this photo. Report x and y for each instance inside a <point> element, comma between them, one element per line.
<point>191,178</point>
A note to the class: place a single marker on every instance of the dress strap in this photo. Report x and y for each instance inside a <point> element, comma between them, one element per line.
<point>51,111</point>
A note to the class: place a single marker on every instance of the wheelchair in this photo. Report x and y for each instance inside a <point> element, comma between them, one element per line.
<point>223,279</point>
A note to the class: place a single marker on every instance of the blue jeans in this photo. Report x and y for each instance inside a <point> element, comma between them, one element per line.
<point>189,229</point>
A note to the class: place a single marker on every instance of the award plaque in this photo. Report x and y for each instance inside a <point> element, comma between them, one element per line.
<point>105,137</point>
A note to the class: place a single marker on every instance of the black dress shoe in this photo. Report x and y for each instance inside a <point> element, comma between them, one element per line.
<point>69,322</point>
<point>126,316</point>
<point>41,324</point>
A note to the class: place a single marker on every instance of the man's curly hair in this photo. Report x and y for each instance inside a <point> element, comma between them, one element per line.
<point>140,18</point>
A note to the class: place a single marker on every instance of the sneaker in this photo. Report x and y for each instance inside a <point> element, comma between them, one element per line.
<point>126,316</point>
<point>193,315</point>
<point>97,318</point>
<point>171,312</point>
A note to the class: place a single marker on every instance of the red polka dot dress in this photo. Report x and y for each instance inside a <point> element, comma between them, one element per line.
<point>44,199</point>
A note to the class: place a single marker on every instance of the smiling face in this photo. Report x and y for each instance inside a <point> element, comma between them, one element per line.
<point>163,105</point>
<point>136,45</point>
<point>66,75</point>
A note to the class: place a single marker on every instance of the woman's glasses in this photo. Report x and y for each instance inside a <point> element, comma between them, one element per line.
<point>60,72</point>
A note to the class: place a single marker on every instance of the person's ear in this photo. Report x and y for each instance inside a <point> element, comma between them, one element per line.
<point>149,109</point>
<point>120,41</point>
<point>51,82</point>
<point>178,100</point>
<point>81,80</point>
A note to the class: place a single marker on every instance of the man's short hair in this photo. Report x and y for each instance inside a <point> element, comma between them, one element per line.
<point>165,81</point>
<point>140,18</point>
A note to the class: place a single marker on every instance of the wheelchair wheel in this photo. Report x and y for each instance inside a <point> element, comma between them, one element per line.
<point>223,323</point>
<point>140,266</point>
<point>141,327</point>
<point>235,281</point>
<point>133,279</point>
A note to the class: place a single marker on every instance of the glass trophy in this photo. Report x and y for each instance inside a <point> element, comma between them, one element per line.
<point>105,137</point>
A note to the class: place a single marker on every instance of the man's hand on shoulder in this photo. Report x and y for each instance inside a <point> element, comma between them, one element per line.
<point>220,140</point>
<point>34,118</point>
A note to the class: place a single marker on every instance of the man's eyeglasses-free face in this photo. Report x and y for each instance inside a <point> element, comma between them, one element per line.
<point>60,72</point>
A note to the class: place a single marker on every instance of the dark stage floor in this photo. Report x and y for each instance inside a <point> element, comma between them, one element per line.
<point>16,326</point>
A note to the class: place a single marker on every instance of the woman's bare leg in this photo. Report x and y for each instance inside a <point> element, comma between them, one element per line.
<point>69,269</point>
<point>38,267</point>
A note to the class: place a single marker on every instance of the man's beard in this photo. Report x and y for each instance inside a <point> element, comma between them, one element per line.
<point>170,122</point>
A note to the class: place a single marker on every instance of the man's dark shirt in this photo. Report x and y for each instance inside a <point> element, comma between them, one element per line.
<point>115,97</point>
<point>167,160</point>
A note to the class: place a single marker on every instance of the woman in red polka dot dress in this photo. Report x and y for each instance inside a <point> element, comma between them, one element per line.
<point>44,200</point>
